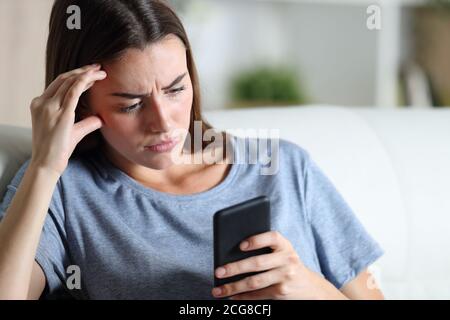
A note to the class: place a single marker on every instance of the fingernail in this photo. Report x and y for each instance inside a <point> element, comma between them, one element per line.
<point>95,65</point>
<point>102,73</point>
<point>220,271</point>
<point>244,245</point>
<point>217,291</point>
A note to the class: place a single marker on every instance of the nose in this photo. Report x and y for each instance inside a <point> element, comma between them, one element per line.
<point>156,116</point>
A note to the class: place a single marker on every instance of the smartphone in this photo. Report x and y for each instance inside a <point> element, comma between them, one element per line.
<point>234,224</point>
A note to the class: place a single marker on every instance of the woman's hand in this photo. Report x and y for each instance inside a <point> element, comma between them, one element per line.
<point>55,133</point>
<point>284,276</point>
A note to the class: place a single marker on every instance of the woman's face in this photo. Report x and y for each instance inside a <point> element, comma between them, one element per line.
<point>146,96</point>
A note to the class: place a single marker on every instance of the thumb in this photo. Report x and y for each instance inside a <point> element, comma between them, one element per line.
<point>86,126</point>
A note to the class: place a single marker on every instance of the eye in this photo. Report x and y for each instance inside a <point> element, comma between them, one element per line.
<point>132,108</point>
<point>176,91</point>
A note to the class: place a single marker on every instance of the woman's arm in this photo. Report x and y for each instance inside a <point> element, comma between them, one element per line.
<point>55,135</point>
<point>363,287</point>
<point>20,231</point>
<point>37,283</point>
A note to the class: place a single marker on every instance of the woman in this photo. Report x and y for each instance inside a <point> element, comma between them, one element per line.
<point>104,198</point>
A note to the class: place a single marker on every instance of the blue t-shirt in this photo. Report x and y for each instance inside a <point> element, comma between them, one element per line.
<point>134,242</point>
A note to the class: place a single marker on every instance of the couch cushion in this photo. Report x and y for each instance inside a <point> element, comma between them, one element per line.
<point>417,142</point>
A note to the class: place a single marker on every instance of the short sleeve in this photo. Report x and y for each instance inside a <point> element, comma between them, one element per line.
<point>51,253</point>
<point>343,246</point>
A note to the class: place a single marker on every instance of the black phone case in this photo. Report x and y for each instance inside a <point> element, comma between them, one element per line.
<point>234,224</point>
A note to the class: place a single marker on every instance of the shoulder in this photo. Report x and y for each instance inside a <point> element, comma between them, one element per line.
<point>281,153</point>
<point>18,175</point>
<point>294,152</point>
<point>83,166</point>
<point>76,165</point>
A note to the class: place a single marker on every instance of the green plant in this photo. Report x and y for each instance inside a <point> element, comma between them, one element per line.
<point>445,4</point>
<point>267,86</point>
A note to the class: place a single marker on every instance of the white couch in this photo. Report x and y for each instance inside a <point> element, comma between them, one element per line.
<point>392,167</point>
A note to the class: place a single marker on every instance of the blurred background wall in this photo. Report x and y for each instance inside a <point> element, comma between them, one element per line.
<point>23,33</point>
<point>327,44</point>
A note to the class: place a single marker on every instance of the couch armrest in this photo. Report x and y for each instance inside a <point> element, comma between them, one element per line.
<point>15,149</point>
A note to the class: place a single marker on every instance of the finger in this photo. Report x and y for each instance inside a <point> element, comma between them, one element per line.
<point>62,90</point>
<point>86,126</point>
<point>253,264</point>
<point>272,239</point>
<point>53,87</point>
<point>251,283</point>
<point>81,84</point>
<point>268,293</point>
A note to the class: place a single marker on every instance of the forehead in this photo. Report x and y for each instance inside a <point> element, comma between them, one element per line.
<point>161,62</point>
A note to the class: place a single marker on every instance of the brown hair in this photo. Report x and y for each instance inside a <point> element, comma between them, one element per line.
<point>108,28</point>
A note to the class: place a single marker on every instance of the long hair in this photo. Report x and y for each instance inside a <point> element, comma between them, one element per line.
<point>108,28</point>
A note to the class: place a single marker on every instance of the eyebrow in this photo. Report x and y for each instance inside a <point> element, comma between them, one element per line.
<point>143,95</point>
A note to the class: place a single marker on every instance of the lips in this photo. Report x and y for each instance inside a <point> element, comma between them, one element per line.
<point>161,143</point>
<point>163,146</point>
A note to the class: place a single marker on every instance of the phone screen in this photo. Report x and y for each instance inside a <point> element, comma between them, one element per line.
<point>234,224</point>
